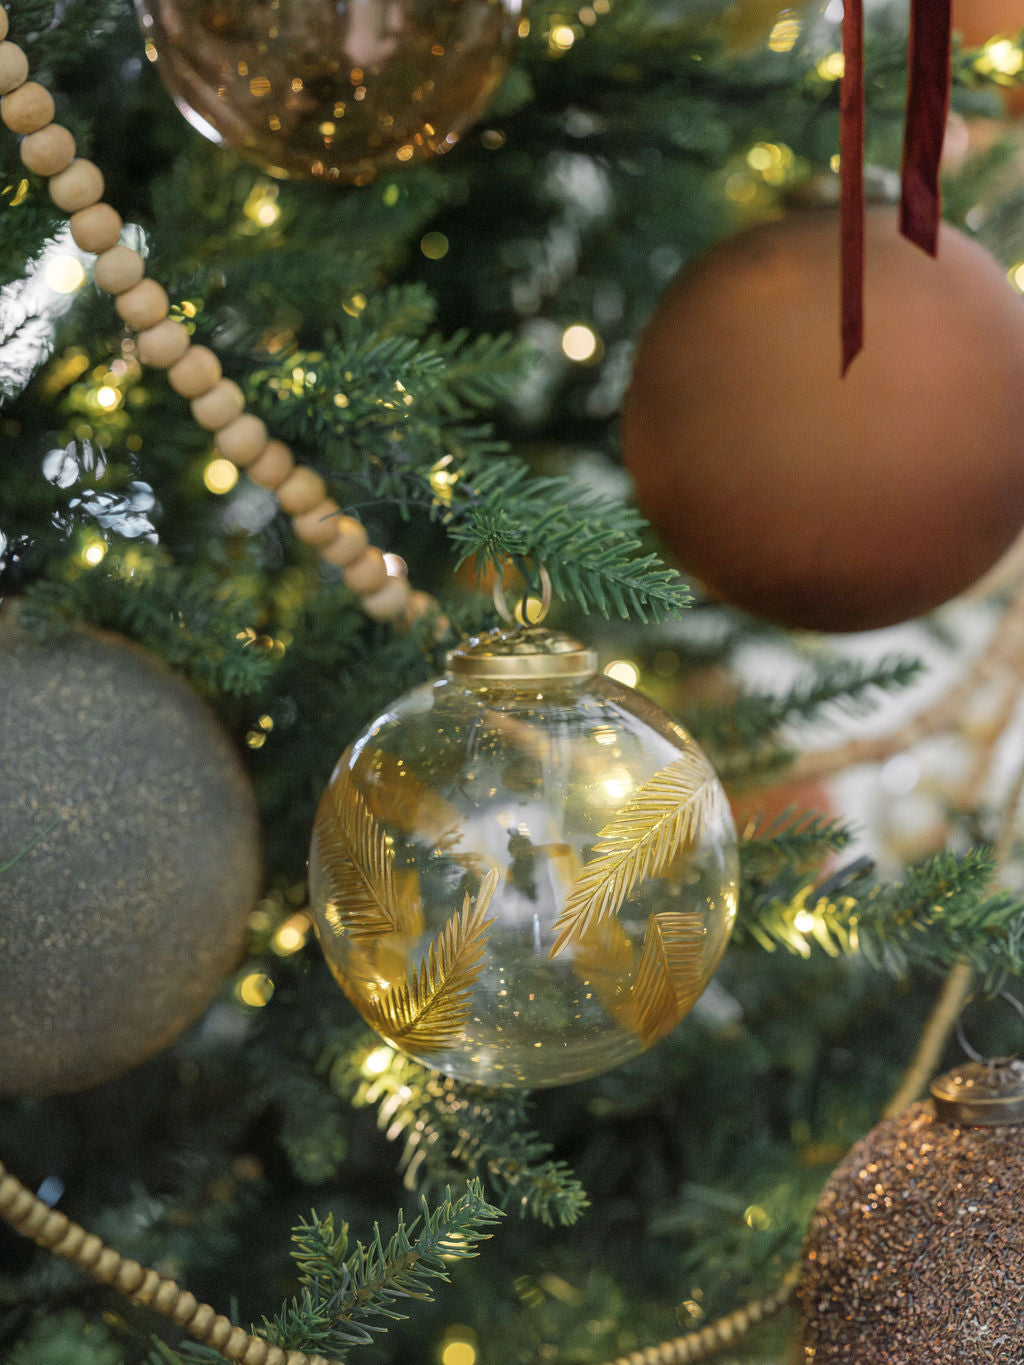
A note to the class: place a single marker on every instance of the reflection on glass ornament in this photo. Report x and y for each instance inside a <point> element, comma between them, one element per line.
<point>331,89</point>
<point>523,873</point>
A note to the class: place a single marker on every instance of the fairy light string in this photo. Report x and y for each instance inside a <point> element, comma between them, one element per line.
<point>76,186</point>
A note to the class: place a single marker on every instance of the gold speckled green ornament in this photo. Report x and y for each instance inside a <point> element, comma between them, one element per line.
<point>129,858</point>
<point>524,873</point>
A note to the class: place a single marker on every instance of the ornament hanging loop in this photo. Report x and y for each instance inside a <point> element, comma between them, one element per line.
<point>961,1035</point>
<point>528,611</point>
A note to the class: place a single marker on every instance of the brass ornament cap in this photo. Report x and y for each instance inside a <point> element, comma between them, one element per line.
<point>981,1094</point>
<point>525,656</point>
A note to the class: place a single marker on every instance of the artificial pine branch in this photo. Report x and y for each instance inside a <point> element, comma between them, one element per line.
<point>344,1292</point>
<point>193,619</point>
<point>448,1127</point>
<point>942,914</point>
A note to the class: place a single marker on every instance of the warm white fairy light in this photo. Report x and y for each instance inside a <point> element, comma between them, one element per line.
<point>255,990</point>
<point>64,274</point>
<point>579,342</point>
<point>621,670</point>
<point>375,1063</point>
<point>220,475</point>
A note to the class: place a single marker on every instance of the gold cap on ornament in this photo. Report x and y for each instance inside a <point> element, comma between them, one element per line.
<point>981,1094</point>
<point>527,655</point>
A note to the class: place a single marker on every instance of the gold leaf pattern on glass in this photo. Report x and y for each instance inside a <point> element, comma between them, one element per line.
<point>666,814</point>
<point>669,979</point>
<point>367,898</point>
<point>427,1011</point>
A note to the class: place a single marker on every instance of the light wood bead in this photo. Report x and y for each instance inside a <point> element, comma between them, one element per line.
<point>144,305</point>
<point>28,108</point>
<point>349,542</point>
<point>119,268</point>
<point>3,23</point>
<point>162,345</point>
<point>315,527</point>
<point>13,67</point>
<point>77,187</point>
<point>96,228</point>
<point>418,605</point>
<point>196,372</point>
<point>219,405</point>
<point>301,491</point>
<point>244,441</point>
<point>388,602</point>
<point>368,573</point>
<point>49,151</point>
<point>273,465</point>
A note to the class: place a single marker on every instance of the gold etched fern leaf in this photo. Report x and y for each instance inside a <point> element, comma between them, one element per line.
<point>359,864</point>
<point>427,1011</point>
<point>668,979</point>
<point>667,813</point>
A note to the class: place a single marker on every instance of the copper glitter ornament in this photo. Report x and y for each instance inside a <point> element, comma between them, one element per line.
<point>129,858</point>
<point>915,1254</point>
<point>523,873</point>
<point>331,89</point>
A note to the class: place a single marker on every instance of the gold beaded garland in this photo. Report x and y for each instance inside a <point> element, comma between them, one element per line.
<point>76,186</point>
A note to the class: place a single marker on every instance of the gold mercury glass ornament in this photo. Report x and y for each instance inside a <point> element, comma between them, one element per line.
<point>331,89</point>
<point>523,873</point>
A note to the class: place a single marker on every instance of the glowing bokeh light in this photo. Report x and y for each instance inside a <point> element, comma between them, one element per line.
<point>579,342</point>
<point>64,274</point>
<point>220,475</point>
<point>622,671</point>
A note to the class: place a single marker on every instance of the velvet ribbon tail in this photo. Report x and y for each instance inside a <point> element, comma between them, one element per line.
<point>851,192</point>
<point>925,125</point>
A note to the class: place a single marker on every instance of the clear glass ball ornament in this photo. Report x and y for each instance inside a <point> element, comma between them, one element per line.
<point>523,873</point>
<point>331,89</point>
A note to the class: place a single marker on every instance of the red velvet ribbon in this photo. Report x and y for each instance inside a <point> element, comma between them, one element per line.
<point>924,128</point>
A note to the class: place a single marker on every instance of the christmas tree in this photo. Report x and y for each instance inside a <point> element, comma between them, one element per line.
<point>298,362</point>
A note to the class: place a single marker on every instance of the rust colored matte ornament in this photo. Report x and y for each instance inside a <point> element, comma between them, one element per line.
<point>814,501</point>
<point>523,873</point>
<point>129,858</point>
<point>331,89</point>
<point>915,1255</point>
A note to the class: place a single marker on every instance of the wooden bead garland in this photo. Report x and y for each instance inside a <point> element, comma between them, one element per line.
<point>76,186</point>
<point>49,150</point>
<point>218,406</point>
<point>96,228</point>
<point>13,67</point>
<point>161,345</point>
<point>28,108</point>
<point>117,269</point>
